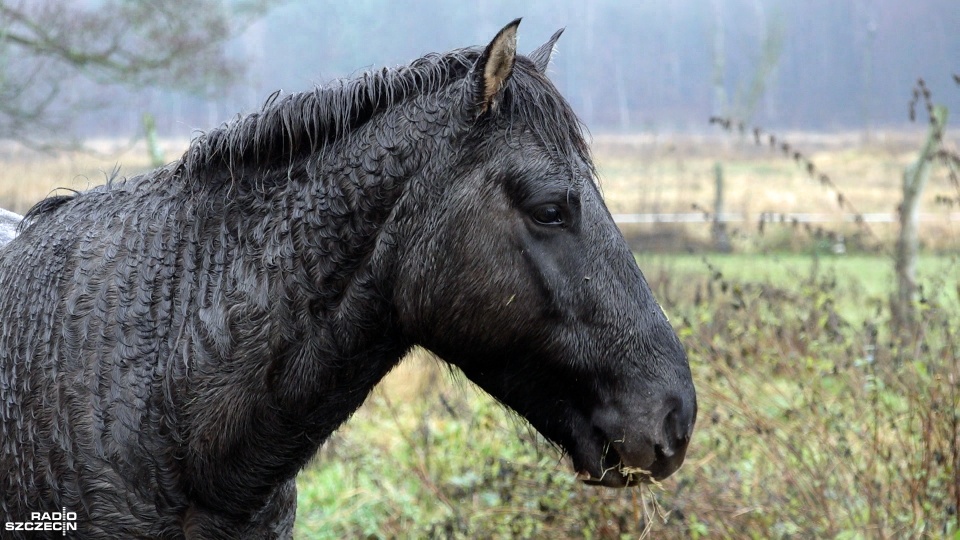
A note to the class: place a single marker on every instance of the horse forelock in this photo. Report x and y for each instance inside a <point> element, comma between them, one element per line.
<point>532,99</point>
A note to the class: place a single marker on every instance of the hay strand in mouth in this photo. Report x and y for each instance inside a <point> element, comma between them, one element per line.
<point>651,507</point>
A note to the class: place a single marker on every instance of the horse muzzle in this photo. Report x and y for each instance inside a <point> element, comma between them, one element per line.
<point>636,447</point>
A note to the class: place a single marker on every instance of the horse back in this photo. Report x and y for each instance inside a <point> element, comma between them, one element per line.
<point>86,315</point>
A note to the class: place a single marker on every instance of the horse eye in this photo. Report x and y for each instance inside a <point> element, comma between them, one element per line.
<point>548,214</point>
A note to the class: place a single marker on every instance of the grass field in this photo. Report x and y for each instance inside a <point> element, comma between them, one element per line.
<point>868,278</point>
<point>818,418</point>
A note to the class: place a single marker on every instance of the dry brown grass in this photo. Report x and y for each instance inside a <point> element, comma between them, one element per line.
<point>673,175</point>
<point>646,174</point>
<point>639,174</point>
<point>27,176</point>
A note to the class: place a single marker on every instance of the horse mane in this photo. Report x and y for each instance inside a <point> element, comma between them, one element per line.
<point>301,123</point>
<point>45,206</point>
<point>52,203</point>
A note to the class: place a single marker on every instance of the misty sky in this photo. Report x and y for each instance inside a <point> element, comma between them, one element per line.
<point>625,66</point>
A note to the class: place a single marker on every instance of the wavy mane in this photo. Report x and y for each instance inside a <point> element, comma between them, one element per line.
<point>294,126</point>
<point>301,123</point>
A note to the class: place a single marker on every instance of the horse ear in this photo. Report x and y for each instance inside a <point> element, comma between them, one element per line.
<point>542,55</point>
<point>494,67</point>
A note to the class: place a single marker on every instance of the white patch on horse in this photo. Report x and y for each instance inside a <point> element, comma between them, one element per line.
<point>8,226</point>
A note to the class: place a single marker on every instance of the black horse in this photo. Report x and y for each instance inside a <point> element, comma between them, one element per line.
<point>176,346</point>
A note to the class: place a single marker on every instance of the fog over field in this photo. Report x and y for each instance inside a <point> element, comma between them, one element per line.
<point>656,66</point>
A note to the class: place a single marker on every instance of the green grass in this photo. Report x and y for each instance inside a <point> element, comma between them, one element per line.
<point>867,279</point>
<point>874,273</point>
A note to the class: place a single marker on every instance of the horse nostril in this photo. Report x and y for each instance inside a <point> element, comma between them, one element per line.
<point>677,426</point>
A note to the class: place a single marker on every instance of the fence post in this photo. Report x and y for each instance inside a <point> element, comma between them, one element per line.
<point>721,241</point>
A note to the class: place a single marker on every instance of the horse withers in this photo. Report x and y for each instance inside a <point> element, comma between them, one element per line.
<point>177,345</point>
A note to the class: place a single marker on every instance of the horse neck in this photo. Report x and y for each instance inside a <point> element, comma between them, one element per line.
<point>355,193</point>
<point>317,325</point>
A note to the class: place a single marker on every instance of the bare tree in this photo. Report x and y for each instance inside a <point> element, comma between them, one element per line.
<point>914,180</point>
<point>53,53</point>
